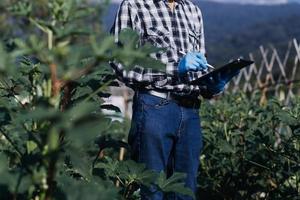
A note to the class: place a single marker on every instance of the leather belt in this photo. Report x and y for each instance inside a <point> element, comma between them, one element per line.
<point>164,95</point>
<point>185,101</point>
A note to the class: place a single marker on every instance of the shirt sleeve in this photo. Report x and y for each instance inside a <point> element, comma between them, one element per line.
<point>138,76</point>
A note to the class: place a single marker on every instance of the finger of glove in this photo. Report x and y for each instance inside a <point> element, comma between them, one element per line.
<point>202,61</point>
<point>201,56</point>
<point>201,65</point>
<point>192,65</point>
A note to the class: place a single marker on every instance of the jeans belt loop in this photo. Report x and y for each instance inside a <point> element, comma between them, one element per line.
<point>169,95</point>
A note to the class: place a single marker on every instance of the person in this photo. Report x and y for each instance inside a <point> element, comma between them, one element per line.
<point>165,131</point>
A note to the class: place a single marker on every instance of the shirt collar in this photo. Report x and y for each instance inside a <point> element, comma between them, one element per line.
<point>179,1</point>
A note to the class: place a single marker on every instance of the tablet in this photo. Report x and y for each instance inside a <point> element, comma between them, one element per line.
<point>234,65</point>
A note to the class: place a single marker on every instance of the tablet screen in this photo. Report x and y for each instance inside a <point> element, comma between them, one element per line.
<point>234,65</point>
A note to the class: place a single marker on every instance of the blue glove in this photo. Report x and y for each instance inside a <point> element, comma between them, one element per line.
<point>192,61</point>
<point>217,84</point>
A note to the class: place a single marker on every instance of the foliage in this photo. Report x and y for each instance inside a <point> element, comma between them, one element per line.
<point>130,174</point>
<point>54,74</point>
<point>251,151</point>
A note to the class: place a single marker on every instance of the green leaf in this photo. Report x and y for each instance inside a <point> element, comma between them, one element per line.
<point>92,190</point>
<point>80,162</point>
<point>136,172</point>
<point>132,55</point>
<point>225,147</point>
<point>53,139</point>
<point>22,8</point>
<point>174,184</point>
<point>3,163</point>
<point>129,38</point>
<point>110,167</point>
<point>31,146</point>
<point>100,49</point>
<point>6,64</point>
<point>4,116</point>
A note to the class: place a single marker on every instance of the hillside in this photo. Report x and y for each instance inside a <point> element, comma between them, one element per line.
<point>234,29</point>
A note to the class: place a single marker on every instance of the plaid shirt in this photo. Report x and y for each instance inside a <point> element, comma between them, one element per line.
<point>179,31</point>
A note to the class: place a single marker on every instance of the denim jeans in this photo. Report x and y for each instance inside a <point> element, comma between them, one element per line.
<point>166,137</point>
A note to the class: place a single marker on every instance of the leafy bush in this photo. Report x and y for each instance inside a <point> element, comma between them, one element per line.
<point>251,151</point>
<point>54,73</point>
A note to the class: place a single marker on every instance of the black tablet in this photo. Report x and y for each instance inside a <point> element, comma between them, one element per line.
<point>234,65</point>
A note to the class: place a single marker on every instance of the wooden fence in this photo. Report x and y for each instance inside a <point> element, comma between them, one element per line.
<point>274,73</point>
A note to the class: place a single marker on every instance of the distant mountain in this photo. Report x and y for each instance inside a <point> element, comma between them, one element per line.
<point>258,2</point>
<point>232,30</point>
<point>294,1</point>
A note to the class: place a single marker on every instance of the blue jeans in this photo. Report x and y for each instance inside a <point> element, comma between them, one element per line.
<point>166,137</point>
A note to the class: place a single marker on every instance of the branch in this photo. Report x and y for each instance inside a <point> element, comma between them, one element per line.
<point>86,70</point>
<point>97,91</point>
<point>57,84</point>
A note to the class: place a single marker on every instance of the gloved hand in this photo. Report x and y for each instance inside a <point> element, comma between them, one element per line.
<point>216,86</point>
<point>192,61</point>
<point>218,83</point>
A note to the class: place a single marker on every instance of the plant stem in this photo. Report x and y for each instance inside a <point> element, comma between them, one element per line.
<point>50,39</point>
<point>257,164</point>
<point>51,177</point>
<point>97,91</point>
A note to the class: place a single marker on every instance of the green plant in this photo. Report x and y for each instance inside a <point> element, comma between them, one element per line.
<point>251,151</point>
<point>54,73</point>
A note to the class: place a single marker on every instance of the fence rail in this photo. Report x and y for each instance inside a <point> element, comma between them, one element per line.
<point>274,73</point>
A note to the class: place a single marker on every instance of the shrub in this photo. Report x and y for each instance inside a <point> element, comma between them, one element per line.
<point>251,151</point>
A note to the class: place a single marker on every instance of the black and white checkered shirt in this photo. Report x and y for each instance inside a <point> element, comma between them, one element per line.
<point>179,31</point>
